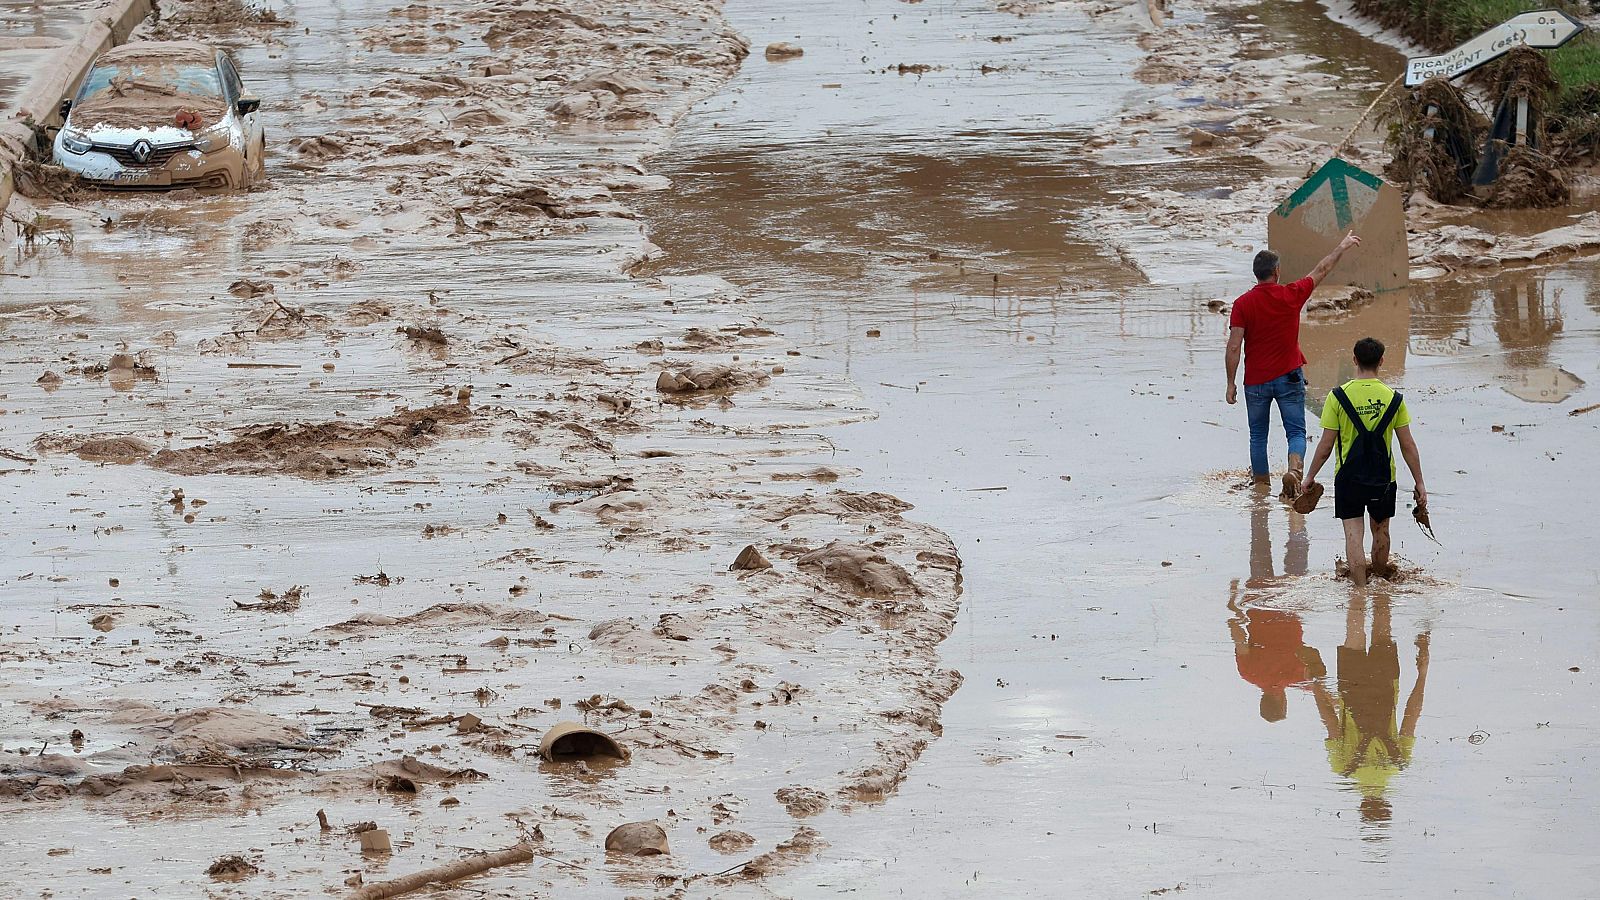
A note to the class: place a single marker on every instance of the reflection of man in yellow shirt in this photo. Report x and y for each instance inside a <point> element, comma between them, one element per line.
<point>1364,744</point>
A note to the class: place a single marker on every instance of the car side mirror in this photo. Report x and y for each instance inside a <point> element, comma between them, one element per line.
<point>66,107</point>
<point>247,106</point>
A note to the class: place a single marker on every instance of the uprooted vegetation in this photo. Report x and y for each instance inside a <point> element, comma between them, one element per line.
<point>1442,145</point>
<point>1442,165</point>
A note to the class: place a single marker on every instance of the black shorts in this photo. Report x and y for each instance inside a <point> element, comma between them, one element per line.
<point>1352,501</point>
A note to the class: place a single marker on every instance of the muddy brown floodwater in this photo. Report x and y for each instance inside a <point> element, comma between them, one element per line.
<point>1060,415</point>
<point>338,495</point>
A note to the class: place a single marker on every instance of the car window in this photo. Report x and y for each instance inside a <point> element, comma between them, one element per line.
<point>147,79</point>
<point>230,78</point>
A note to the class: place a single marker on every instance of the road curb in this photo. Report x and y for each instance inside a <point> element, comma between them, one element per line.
<point>39,106</point>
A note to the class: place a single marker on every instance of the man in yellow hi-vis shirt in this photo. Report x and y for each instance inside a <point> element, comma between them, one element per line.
<point>1362,417</point>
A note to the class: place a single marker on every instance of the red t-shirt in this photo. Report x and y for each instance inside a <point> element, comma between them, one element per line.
<point>1270,317</point>
<point>1273,662</point>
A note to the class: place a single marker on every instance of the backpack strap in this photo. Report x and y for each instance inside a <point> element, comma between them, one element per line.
<point>1389,414</point>
<point>1350,410</point>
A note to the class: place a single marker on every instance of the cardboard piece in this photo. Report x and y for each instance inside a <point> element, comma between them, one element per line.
<point>1341,198</point>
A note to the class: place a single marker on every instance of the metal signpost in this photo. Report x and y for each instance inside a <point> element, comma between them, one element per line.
<point>1544,29</point>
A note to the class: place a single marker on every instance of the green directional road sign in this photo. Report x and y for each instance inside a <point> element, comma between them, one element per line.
<point>1339,198</point>
<point>1337,175</point>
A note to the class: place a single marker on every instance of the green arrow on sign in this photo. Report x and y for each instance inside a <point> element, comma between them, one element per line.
<point>1336,174</point>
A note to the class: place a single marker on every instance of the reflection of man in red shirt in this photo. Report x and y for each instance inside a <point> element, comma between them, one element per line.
<point>1268,644</point>
<point>1272,655</point>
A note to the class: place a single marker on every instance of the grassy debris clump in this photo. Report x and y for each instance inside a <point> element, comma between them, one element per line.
<point>1435,135</point>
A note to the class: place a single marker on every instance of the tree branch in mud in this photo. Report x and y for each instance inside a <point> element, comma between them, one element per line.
<point>464,868</point>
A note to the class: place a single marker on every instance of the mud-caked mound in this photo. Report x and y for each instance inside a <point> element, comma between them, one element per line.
<point>321,450</point>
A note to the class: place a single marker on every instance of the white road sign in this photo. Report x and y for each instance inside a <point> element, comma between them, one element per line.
<point>1543,30</point>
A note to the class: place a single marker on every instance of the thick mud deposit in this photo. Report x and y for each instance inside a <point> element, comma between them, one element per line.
<point>975,250</point>
<point>327,502</point>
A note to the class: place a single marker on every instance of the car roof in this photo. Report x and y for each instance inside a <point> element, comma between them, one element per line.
<point>176,51</point>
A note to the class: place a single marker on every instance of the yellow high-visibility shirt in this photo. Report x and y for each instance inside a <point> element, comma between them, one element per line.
<point>1371,398</point>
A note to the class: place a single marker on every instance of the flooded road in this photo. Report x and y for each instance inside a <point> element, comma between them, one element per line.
<point>1061,417</point>
<point>957,253</point>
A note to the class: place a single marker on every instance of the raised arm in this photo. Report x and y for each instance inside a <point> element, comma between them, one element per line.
<point>1413,458</point>
<point>1332,259</point>
<point>1235,346</point>
<point>1408,725</point>
<point>1325,709</point>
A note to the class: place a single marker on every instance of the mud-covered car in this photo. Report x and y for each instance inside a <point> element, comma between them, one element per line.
<point>159,114</point>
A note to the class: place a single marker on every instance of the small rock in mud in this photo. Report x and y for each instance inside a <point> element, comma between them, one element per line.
<point>749,560</point>
<point>784,50</point>
<point>232,867</point>
<point>731,842</point>
<point>801,802</point>
<point>638,839</point>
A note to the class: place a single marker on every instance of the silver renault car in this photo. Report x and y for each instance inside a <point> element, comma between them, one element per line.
<point>162,114</point>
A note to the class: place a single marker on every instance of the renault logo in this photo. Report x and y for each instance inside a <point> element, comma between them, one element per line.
<point>141,151</point>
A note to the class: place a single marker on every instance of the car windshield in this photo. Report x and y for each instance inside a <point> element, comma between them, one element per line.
<point>147,79</point>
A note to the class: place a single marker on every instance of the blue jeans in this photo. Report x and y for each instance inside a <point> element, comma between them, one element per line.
<point>1291,399</point>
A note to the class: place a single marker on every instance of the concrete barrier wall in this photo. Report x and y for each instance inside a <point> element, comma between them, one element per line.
<point>61,72</point>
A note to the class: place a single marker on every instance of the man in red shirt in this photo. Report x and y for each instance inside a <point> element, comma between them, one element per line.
<point>1265,326</point>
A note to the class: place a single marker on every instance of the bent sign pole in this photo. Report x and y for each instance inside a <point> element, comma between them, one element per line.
<point>1544,29</point>
<point>1338,199</point>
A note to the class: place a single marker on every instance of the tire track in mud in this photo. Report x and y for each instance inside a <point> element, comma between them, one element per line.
<point>395,369</point>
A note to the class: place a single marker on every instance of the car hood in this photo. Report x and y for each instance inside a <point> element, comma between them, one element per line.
<point>129,118</point>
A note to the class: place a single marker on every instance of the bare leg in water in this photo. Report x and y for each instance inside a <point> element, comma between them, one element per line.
<point>1355,550</point>
<point>1355,623</point>
<point>1380,548</point>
